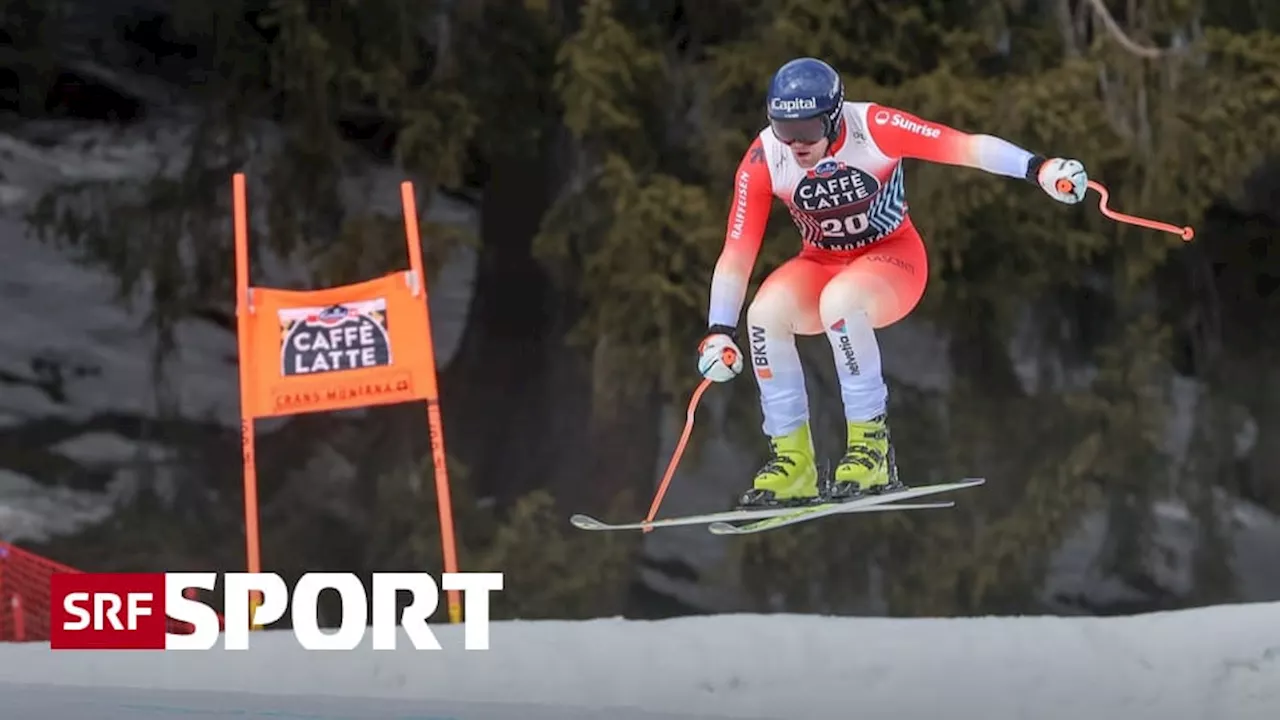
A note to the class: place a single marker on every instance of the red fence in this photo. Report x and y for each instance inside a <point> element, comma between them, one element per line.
<point>24,596</point>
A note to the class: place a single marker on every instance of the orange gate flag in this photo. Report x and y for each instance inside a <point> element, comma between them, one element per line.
<point>359,345</point>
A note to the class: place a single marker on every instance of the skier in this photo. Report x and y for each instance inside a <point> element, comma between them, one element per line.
<point>837,166</point>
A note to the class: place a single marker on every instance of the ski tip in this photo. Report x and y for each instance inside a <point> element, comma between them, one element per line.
<point>585,522</point>
<point>958,484</point>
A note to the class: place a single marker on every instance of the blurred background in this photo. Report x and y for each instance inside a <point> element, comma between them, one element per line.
<point>574,159</point>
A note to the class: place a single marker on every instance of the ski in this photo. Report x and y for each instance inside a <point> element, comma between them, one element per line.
<point>587,522</point>
<point>885,501</point>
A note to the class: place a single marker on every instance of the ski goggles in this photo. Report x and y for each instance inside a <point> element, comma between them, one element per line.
<point>808,130</point>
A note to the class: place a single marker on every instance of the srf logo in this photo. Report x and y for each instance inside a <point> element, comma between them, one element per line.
<point>101,611</point>
<point>107,611</point>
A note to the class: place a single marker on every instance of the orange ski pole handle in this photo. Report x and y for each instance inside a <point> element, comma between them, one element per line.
<point>728,357</point>
<point>1185,232</point>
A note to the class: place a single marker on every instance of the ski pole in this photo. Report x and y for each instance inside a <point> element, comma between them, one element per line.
<point>1185,232</point>
<point>728,356</point>
<point>679,451</point>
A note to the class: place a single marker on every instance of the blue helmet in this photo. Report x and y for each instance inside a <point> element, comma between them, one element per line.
<point>805,100</point>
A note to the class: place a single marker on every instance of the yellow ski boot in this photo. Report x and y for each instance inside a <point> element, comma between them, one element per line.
<point>790,477</point>
<point>868,464</point>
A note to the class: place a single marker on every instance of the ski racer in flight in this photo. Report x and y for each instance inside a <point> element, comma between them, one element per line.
<point>837,167</point>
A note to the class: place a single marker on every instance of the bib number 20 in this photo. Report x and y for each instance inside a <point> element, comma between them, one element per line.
<point>847,226</point>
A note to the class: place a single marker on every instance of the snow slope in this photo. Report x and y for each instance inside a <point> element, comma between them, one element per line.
<point>1204,664</point>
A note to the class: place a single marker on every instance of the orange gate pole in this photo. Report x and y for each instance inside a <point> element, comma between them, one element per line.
<point>244,309</point>
<point>443,499</point>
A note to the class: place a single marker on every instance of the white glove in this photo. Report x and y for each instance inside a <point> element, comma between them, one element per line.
<point>1064,180</point>
<point>719,358</point>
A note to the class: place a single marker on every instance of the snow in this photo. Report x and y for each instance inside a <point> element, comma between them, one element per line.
<point>1203,664</point>
<point>35,511</point>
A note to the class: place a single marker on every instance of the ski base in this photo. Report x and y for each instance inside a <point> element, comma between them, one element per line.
<point>756,520</point>
<point>868,503</point>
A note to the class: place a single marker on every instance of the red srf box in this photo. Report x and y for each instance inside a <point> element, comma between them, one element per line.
<point>107,611</point>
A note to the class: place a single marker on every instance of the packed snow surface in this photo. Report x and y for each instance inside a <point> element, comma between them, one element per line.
<point>1216,662</point>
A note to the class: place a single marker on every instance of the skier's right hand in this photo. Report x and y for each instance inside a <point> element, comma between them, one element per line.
<point>719,358</point>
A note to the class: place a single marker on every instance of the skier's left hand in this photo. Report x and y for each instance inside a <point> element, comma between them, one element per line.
<point>1064,180</point>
